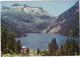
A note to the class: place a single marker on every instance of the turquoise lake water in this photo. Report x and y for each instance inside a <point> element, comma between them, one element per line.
<point>41,41</point>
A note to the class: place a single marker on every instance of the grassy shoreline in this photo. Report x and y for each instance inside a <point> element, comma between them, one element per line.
<point>31,53</point>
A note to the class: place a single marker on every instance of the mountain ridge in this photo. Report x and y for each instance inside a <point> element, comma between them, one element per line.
<point>67,23</point>
<point>28,19</point>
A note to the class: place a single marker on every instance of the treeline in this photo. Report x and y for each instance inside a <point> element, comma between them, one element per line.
<point>71,47</point>
<point>8,43</point>
<point>11,30</point>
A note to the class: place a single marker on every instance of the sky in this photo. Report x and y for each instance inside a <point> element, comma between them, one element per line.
<point>54,8</point>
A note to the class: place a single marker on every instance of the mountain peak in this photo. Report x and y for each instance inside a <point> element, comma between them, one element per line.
<point>20,5</point>
<point>16,4</point>
<point>77,3</point>
<point>26,5</point>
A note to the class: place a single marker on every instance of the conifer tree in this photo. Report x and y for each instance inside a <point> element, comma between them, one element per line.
<point>53,47</point>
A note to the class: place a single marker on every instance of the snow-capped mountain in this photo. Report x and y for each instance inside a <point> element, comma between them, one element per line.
<point>28,19</point>
<point>25,18</point>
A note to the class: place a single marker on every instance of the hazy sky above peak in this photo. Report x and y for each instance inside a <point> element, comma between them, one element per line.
<point>54,8</point>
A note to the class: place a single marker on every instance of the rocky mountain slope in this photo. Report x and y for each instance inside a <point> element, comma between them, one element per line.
<point>11,30</point>
<point>25,18</point>
<point>67,23</point>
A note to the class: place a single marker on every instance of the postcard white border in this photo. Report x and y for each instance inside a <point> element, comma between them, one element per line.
<point>33,0</point>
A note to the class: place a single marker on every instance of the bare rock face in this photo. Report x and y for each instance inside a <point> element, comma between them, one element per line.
<point>28,19</point>
<point>67,23</point>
